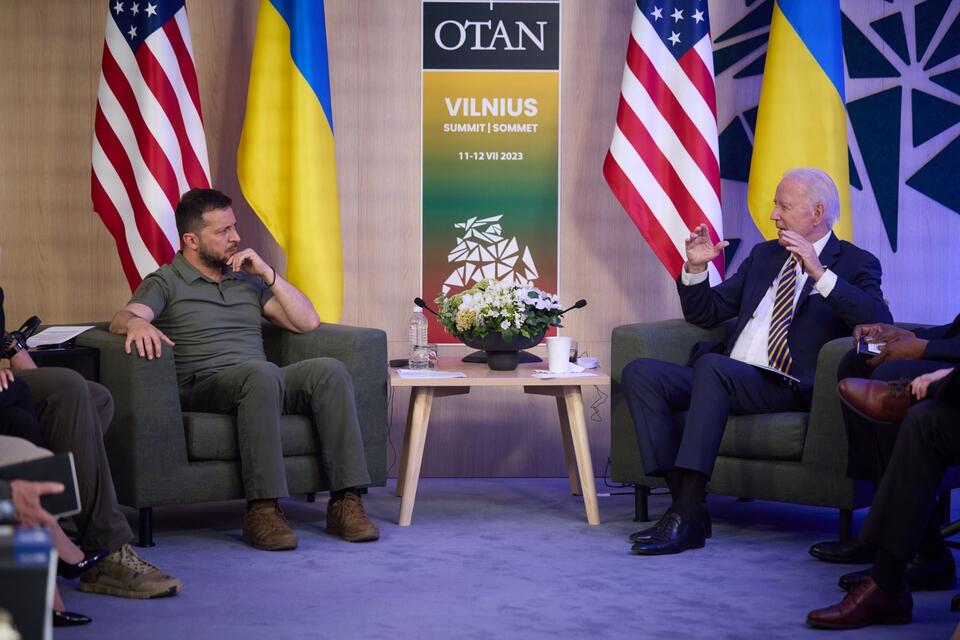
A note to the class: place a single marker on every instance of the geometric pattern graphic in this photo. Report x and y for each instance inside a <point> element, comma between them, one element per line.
<point>483,252</point>
<point>876,123</point>
<point>902,62</point>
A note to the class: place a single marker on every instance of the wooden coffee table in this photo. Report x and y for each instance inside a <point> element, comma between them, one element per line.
<point>573,427</point>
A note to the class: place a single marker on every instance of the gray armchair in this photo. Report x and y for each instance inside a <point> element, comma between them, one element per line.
<point>790,457</point>
<point>161,456</point>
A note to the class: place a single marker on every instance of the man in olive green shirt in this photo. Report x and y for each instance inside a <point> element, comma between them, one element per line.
<point>208,305</point>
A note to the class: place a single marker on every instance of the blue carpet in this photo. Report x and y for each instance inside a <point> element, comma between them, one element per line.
<point>492,558</point>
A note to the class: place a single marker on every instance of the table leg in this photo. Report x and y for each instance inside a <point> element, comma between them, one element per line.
<point>405,449</point>
<point>568,446</point>
<point>573,400</point>
<point>421,400</point>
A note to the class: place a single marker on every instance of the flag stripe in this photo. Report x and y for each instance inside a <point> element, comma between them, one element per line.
<point>661,168</point>
<point>671,146</point>
<point>114,223</point>
<point>193,174</point>
<point>184,58</point>
<point>676,82</point>
<point>114,190</point>
<point>655,235</point>
<point>663,162</point>
<point>674,114</point>
<point>701,77</point>
<point>148,143</point>
<point>149,149</point>
<point>153,236</point>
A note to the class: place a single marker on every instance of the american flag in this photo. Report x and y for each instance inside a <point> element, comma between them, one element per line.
<point>663,164</point>
<point>148,143</point>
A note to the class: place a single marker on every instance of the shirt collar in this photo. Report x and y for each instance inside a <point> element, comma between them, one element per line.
<point>822,242</point>
<point>190,273</point>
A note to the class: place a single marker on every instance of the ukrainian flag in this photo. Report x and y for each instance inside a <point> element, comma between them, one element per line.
<point>802,121</point>
<point>286,163</point>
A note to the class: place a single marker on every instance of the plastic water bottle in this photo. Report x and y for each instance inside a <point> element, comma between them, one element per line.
<point>418,329</point>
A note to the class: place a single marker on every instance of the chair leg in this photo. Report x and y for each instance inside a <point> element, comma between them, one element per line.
<point>312,496</point>
<point>145,527</point>
<point>846,525</point>
<point>641,505</point>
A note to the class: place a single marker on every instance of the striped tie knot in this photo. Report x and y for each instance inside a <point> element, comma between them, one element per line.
<point>778,351</point>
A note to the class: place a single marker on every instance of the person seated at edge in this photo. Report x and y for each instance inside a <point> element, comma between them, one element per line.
<point>790,296</point>
<point>21,499</point>
<point>74,415</point>
<point>904,355</point>
<point>208,305</point>
<point>903,509</point>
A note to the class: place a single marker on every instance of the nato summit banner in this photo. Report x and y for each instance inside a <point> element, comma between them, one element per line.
<point>491,114</point>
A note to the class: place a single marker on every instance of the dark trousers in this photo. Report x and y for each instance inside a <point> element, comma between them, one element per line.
<point>17,415</point>
<point>870,445</point>
<point>657,392</point>
<point>259,392</point>
<point>74,414</point>
<point>927,445</point>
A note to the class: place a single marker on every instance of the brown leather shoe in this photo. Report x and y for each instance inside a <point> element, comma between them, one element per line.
<point>876,400</point>
<point>866,604</point>
<point>265,527</point>
<point>347,518</point>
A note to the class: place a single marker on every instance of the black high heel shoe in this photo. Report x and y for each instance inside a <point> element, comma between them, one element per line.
<point>70,619</point>
<point>71,571</point>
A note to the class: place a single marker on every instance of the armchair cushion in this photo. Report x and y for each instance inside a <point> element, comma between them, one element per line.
<point>211,436</point>
<point>776,436</point>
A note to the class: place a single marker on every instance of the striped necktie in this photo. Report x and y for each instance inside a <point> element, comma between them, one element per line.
<point>778,352</point>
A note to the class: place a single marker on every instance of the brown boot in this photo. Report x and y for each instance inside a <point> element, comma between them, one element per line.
<point>346,518</point>
<point>265,527</point>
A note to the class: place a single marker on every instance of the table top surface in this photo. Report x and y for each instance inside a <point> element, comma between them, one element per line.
<point>480,375</point>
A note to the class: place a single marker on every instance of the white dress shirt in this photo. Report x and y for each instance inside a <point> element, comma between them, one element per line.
<point>751,344</point>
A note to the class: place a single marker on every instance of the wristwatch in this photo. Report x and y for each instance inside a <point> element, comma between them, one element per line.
<point>12,344</point>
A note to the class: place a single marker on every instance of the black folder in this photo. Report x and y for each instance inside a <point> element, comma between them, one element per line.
<point>59,468</point>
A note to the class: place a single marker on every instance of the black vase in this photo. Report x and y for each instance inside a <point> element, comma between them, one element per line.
<point>502,355</point>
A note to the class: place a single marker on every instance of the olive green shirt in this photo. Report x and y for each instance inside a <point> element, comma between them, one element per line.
<point>214,324</point>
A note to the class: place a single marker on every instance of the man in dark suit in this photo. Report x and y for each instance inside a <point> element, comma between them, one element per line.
<point>790,297</point>
<point>928,444</point>
<point>903,355</point>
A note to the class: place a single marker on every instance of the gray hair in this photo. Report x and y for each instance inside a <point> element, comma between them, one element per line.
<point>820,190</point>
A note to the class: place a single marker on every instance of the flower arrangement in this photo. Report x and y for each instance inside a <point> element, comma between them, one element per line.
<point>503,307</point>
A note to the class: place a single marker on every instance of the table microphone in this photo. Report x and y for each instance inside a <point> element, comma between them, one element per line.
<point>423,305</point>
<point>579,304</point>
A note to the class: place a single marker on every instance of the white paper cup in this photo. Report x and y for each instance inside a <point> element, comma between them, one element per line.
<point>558,353</point>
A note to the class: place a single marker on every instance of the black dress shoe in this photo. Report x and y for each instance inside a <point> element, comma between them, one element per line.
<point>70,619</point>
<point>844,552</point>
<point>677,536</point>
<point>71,571</point>
<point>646,534</point>
<point>922,574</point>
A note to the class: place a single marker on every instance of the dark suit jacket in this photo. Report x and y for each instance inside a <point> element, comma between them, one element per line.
<point>856,299</point>
<point>944,341</point>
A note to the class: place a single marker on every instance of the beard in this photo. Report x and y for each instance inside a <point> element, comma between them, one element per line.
<point>212,259</point>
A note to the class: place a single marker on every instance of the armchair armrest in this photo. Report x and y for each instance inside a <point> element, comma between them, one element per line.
<point>146,441</point>
<point>364,352</point>
<point>670,340</point>
<point>826,442</point>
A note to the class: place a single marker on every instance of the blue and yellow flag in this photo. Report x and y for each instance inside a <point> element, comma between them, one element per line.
<point>802,121</point>
<point>286,163</point>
